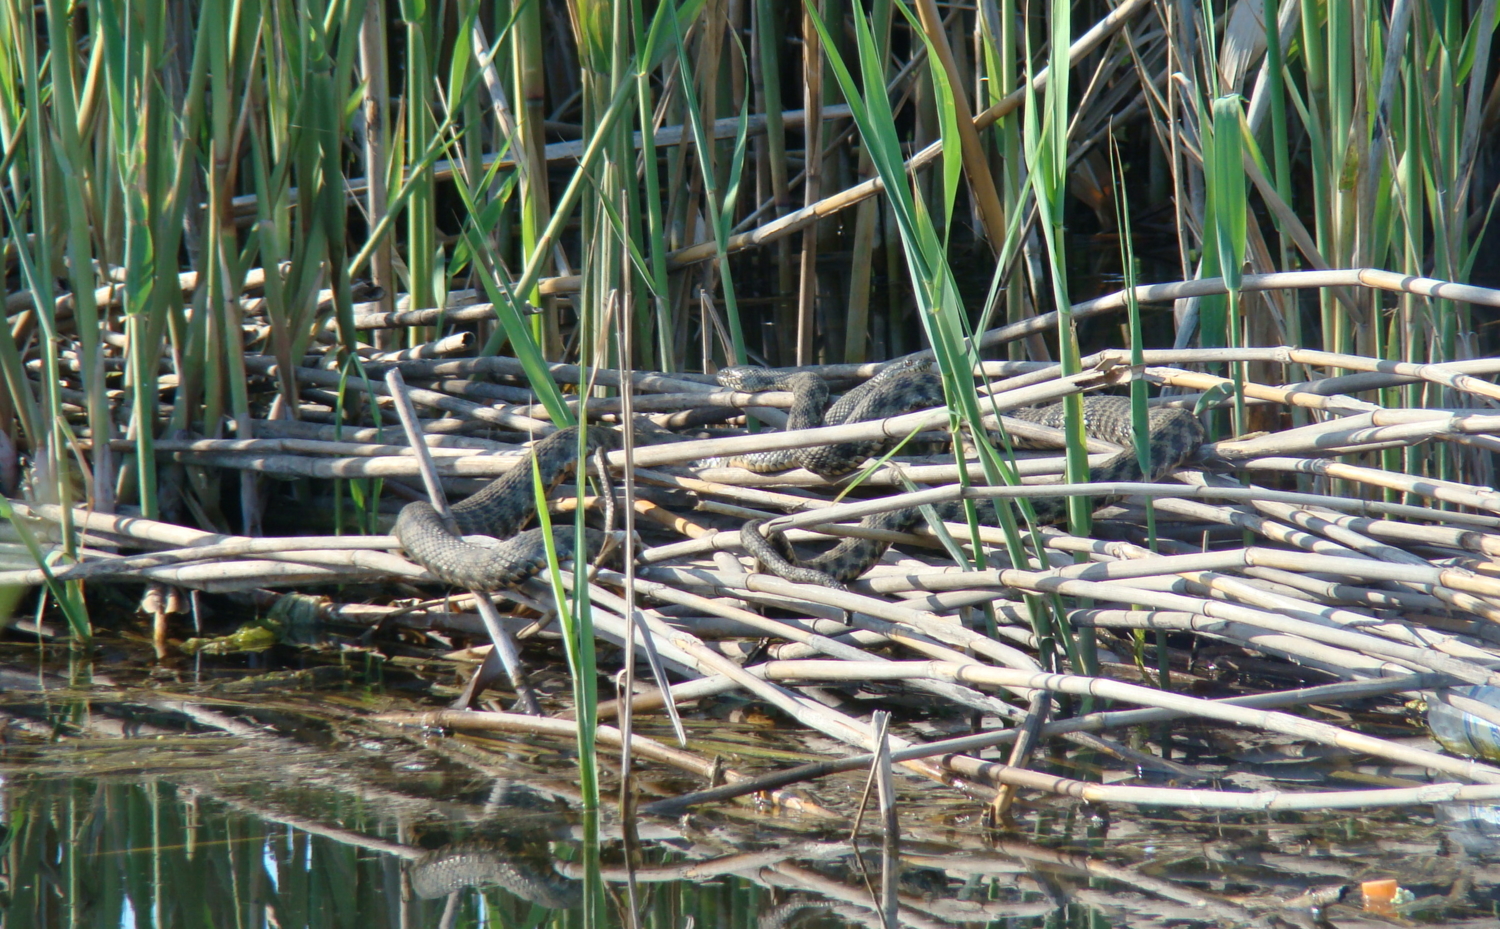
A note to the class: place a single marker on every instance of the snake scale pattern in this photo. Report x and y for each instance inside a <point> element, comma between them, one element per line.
<point>500,510</point>
<point>1175,435</point>
<point>503,508</point>
<point>901,387</point>
<point>480,864</point>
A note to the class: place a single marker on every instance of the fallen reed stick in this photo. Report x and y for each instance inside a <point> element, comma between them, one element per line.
<point>798,220</point>
<point>294,548</point>
<point>1303,623</point>
<point>1403,427</point>
<point>918,629</point>
<point>1277,614</point>
<point>482,465</point>
<point>143,530</point>
<point>1164,293</point>
<point>1486,543</point>
<point>501,366</point>
<point>505,652</point>
<point>860,509</point>
<point>318,447</point>
<point>1298,650</point>
<point>437,433</point>
<point>798,707</point>
<point>1242,591</point>
<point>1027,464</point>
<point>467,409</point>
<point>1323,587</point>
<point>1480,498</point>
<point>454,344</point>
<point>1113,719</point>
<point>1103,688</point>
<point>246,204</point>
<point>819,643</point>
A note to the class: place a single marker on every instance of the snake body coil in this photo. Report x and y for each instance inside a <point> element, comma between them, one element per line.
<point>898,388</point>
<point>1174,436</point>
<point>499,511</point>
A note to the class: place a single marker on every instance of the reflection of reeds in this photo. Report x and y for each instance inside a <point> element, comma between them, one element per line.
<point>308,824</point>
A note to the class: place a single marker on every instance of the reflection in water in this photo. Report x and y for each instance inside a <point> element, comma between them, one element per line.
<point>1474,827</point>
<point>524,873</point>
<point>131,807</point>
<point>791,912</point>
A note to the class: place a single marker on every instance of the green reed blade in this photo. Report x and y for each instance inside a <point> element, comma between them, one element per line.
<point>66,595</point>
<point>578,638</point>
<point>560,217</point>
<point>941,311</point>
<point>720,209</point>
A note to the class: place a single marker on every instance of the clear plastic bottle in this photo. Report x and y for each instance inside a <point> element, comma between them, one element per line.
<point>1464,733</point>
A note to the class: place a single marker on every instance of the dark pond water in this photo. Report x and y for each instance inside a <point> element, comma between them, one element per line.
<point>230,796</point>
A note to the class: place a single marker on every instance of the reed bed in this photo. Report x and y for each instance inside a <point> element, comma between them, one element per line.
<point>267,284</point>
<point>1393,591</point>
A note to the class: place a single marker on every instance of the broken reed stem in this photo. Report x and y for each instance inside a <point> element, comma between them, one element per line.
<point>295,548</point>
<point>1270,721</point>
<point>505,651</point>
<point>1114,719</point>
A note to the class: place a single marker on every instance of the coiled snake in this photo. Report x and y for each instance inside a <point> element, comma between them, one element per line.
<point>900,387</point>
<point>499,511</point>
<point>1175,435</point>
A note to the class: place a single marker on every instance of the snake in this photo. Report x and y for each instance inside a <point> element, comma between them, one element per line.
<point>525,873</point>
<point>500,510</point>
<point>900,387</point>
<point>1174,436</point>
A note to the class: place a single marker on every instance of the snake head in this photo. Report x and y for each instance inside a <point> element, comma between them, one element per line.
<point>908,363</point>
<point>598,437</point>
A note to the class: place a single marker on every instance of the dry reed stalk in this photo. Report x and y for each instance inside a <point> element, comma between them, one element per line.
<point>316,447</point>
<point>308,567</point>
<point>443,170</point>
<point>1302,623</point>
<point>1270,721</point>
<point>1331,591</point>
<point>437,433</point>
<point>1250,283</point>
<point>455,344</point>
<point>454,312</point>
<point>1184,495</point>
<point>813,641</point>
<point>501,366</point>
<point>454,405</point>
<point>485,465</point>
<point>1114,719</point>
<point>296,548</point>
<point>1479,498</point>
<point>1028,465</point>
<point>800,708</point>
<point>918,628</point>
<point>801,219</point>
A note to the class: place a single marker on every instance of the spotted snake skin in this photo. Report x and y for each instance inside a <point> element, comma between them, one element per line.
<point>499,511</point>
<point>1175,436</point>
